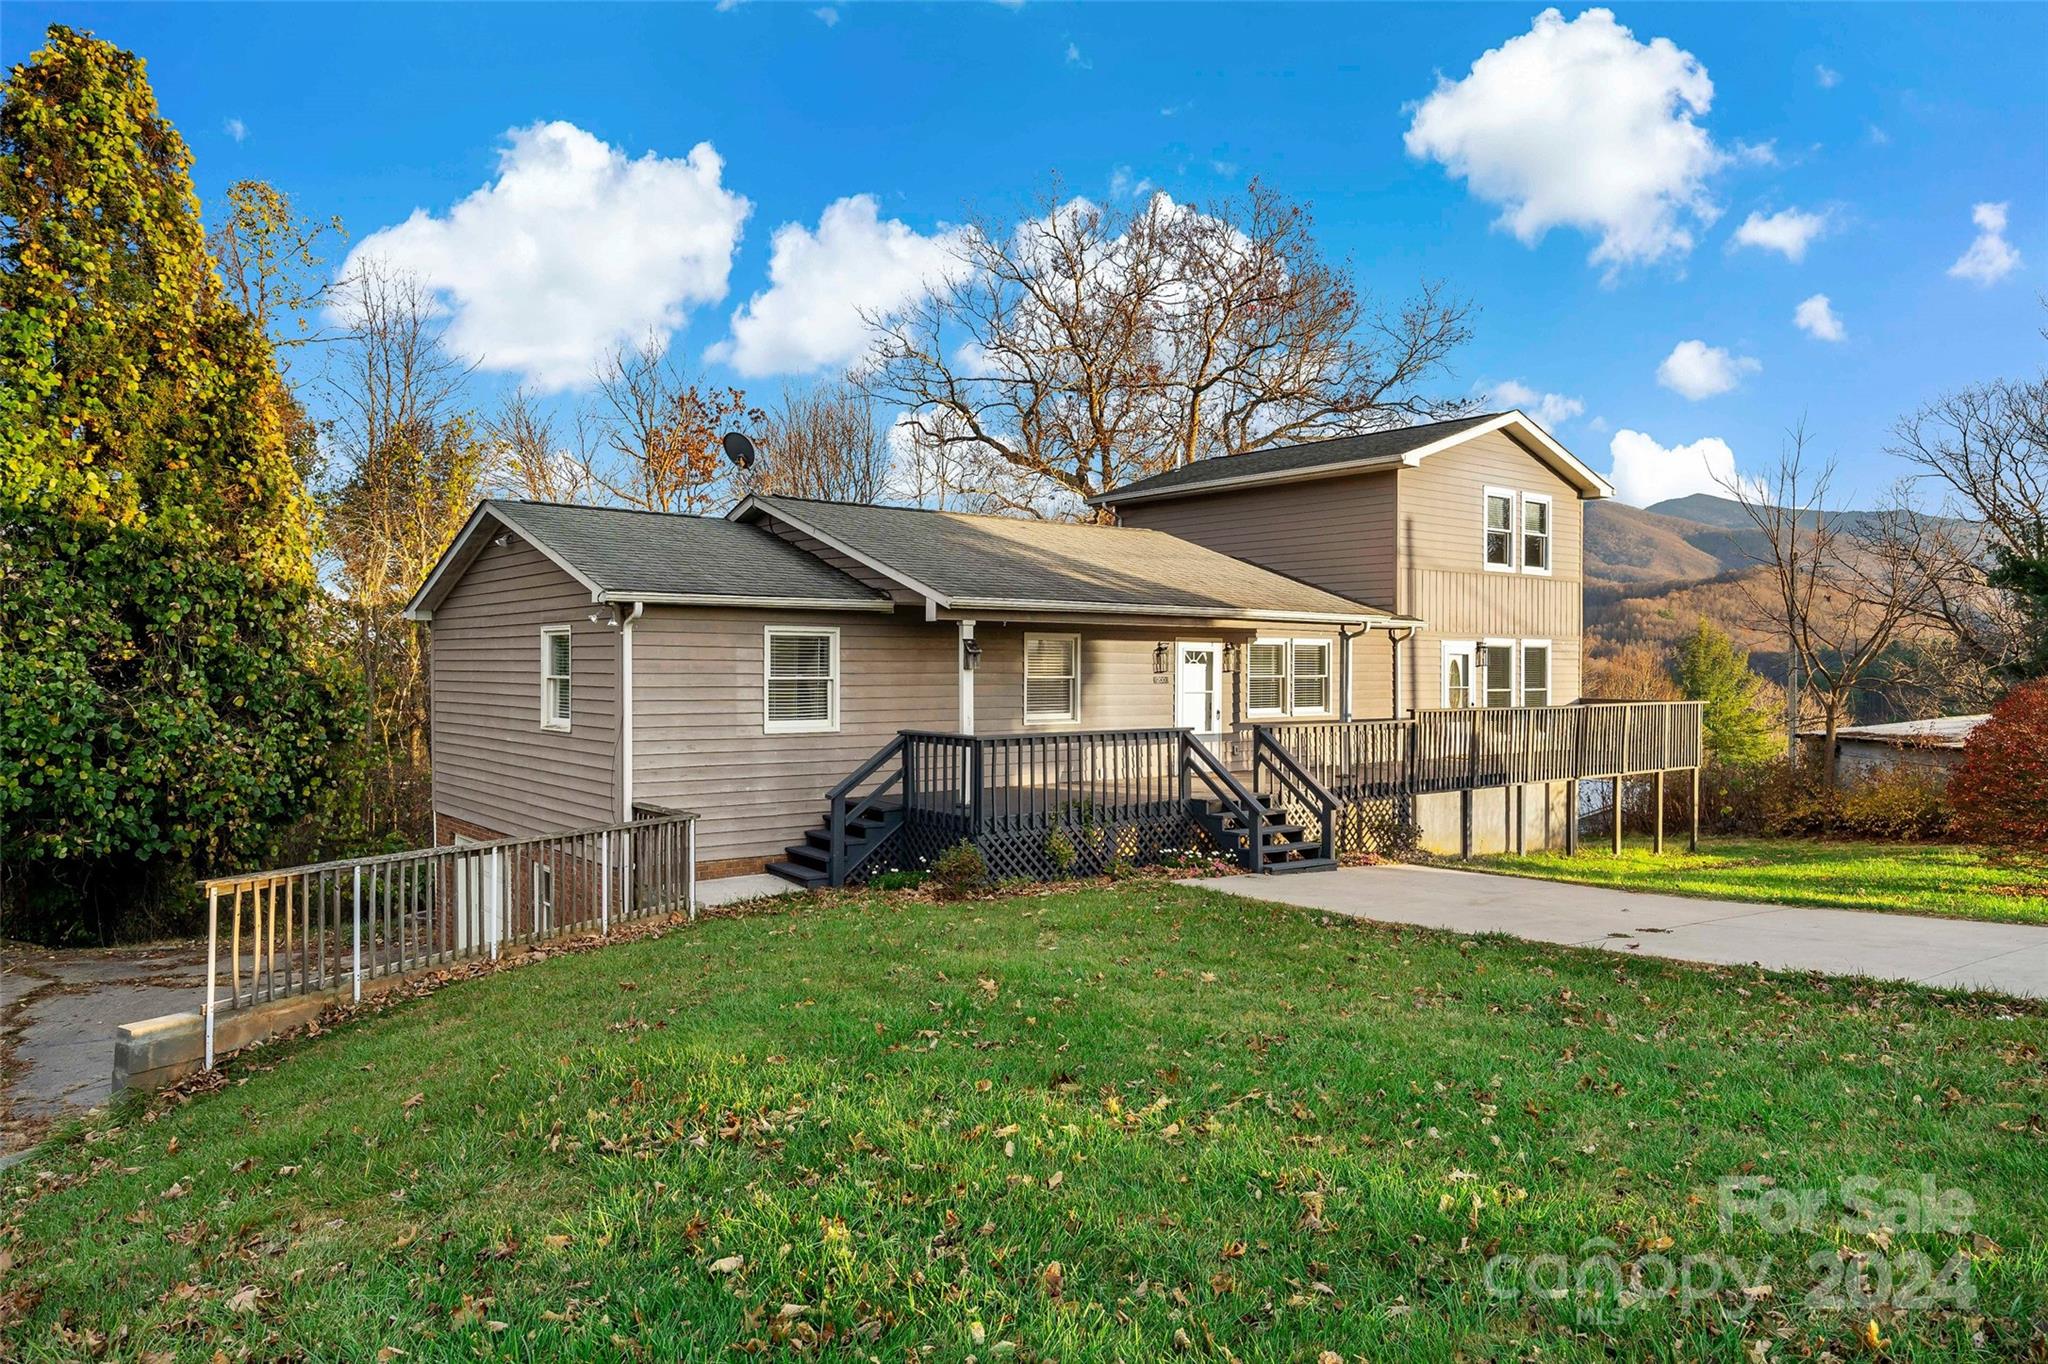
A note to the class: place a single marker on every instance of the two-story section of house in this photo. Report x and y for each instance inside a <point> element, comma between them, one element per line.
<point>1473,527</point>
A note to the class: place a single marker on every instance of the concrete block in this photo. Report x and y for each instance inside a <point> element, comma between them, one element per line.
<point>154,1052</point>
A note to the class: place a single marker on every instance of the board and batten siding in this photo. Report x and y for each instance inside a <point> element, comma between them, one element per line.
<point>699,707</point>
<point>495,766</point>
<point>1444,580</point>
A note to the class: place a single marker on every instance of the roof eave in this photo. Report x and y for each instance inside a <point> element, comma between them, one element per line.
<point>1183,609</point>
<point>758,603</point>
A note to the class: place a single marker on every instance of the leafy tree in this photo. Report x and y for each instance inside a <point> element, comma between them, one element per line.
<point>2000,789</point>
<point>166,712</point>
<point>1736,728</point>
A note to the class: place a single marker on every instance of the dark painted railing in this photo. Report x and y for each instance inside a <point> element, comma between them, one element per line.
<point>1472,749</point>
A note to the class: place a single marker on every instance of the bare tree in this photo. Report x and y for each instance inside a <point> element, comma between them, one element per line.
<point>269,257</point>
<point>1841,590</point>
<point>407,473</point>
<point>1080,349</point>
<point>827,441</point>
<point>526,457</point>
<point>1987,448</point>
<point>661,429</point>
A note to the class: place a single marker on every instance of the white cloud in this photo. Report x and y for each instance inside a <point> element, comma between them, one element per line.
<point>821,283</point>
<point>1699,370</point>
<point>1576,124</point>
<point>1788,232</point>
<point>235,128</point>
<point>1816,317</point>
<point>1826,77</point>
<point>1125,184</point>
<point>1074,57</point>
<point>1990,257</point>
<point>572,250</point>
<point>826,15</point>
<point>1645,472</point>
<point>1551,410</point>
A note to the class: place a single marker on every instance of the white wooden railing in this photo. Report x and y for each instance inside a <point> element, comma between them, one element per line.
<point>332,926</point>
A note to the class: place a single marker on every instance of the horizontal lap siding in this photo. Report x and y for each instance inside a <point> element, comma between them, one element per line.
<point>1444,581</point>
<point>1335,533</point>
<point>1117,686</point>
<point>494,765</point>
<point>698,711</point>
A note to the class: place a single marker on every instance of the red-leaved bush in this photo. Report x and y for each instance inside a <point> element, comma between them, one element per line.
<point>2000,789</point>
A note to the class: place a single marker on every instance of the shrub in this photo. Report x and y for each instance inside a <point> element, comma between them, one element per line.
<point>2001,786</point>
<point>896,880</point>
<point>1061,850</point>
<point>959,870</point>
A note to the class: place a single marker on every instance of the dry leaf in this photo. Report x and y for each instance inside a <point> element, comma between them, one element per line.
<point>729,1264</point>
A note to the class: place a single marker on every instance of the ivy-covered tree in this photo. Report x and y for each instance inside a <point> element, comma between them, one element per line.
<point>165,711</point>
<point>1735,726</point>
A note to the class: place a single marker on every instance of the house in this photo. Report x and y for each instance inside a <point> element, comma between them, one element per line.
<point>1932,747</point>
<point>589,663</point>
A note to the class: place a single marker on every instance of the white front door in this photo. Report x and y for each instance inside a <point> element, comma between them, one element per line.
<point>1198,688</point>
<point>1458,692</point>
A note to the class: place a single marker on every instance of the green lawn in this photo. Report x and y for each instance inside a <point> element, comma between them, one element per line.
<point>1905,878</point>
<point>1126,1123</point>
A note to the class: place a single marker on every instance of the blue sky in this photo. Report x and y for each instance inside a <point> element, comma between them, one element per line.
<point>1860,139</point>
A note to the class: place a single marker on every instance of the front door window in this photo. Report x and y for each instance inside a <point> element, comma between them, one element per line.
<point>1198,702</point>
<point>1458,676</point>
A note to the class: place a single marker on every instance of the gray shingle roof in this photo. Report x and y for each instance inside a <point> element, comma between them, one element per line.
<point>980,561</point>
<point>1373,446</point>
<point>636,553</point>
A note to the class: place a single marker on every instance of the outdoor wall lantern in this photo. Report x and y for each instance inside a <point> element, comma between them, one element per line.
<point>970,652</point>
<point>1159,656</point>
<point>1229,654</point>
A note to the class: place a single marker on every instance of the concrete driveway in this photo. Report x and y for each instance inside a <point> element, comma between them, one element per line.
<point>1961,953</point>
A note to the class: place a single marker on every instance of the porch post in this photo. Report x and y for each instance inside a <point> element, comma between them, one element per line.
<point>963,661</point>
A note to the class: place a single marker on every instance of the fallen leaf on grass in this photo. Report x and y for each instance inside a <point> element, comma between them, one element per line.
<point>245,1299</point>
<point>730,1264</point>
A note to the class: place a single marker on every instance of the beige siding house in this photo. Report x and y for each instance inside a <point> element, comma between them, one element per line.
<point>588,663</point>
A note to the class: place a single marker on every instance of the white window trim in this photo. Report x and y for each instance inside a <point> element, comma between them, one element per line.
<point>831,722</point>
<point>1522,670</point>
<point>1024,681</point>
<point>1470,649</point>
<point>1549,536</point>
<point>1329,647</point>
<point>1482,687</point>
<point>1514,529</point>
<point>547,709</point>
<point>1286,679</point>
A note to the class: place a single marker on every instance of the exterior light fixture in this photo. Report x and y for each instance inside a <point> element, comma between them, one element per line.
<point>970,652</point>
<point>502,539</point>
<point>1159,656</point>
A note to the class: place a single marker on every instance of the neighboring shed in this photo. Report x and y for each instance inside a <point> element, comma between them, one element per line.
<point>1933,746</point>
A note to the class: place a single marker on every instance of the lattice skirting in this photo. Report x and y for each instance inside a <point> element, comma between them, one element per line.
<point>1381,825</point>
<point>1048,853</point>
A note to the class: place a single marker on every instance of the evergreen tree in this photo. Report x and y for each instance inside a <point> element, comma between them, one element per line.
<point>1736,729</point>
<point>166,712</point>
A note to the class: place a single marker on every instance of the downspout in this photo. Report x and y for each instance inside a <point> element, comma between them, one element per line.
<point>626,712</point>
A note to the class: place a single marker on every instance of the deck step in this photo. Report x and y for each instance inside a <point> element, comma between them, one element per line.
<point>1305,864</point>
<point>1293,845</point>
<point>809,855</point>
<point>808,877</point>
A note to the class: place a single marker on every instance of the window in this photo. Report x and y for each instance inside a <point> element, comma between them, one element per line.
<point>1535,533</point>
<point>1536,672</point>
<point>1266,677</point>
<point>1497,672</point>
<point>802,681</point>
<point>1052,678</point>
<point>554,678</point>
<point>1500,529</point>
<point>1311,682</point>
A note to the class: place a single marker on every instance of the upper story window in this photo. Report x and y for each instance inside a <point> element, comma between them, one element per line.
<point>1519,531</point>
<point>1288,677</point>
<point>801,680</point>
<point>554,677</point>
<point>1535,533</point>
<point>1500,529</point>
<point>1052,678</point>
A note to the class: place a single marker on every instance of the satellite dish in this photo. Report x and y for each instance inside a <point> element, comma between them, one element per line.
<point>738,449</point>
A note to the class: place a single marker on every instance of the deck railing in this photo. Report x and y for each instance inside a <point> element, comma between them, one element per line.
<point>332,926</point>
<point>1474,749</point>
